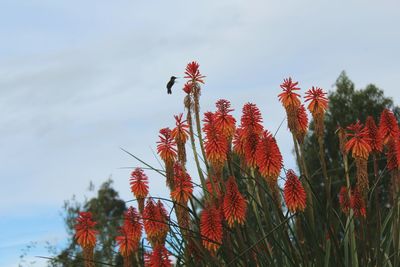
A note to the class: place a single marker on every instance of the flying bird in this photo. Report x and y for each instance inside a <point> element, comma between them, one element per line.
<point>170,84</point>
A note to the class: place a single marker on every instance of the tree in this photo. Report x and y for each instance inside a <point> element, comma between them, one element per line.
<point>107,209</point>
<point>346,106</point>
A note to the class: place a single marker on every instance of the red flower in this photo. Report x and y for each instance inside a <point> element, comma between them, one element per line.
<point>388,126</point>
<point>393,154</point>
<point>234,205</point>
<point>375,139</point>
<point>268,157</point>
<point>294,193</point>
<point>139,183</point>
<point>251,119</point>
<point>155,220</point>
<point>211,228</point>
<point>289,97</point>
<point>252,129</point>
<point>224,121</point>
<point>180,133</point>
<point>301,123</point>
<point>357,204</point>
<point>319,102</point>
<point>132,219</point>
<point>359,141</point>
<point>215,144</point>
<point>183,190</point>
<point>125,241</point>
<point>166,145</point>
<point>159,257</point>
<point>187,88</point>
<point>238,141</point>
<point>85,234</point>
<point>344,200</point>
<point>192,72</point>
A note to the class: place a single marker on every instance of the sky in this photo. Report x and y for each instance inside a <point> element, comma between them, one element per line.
<point>81,79</point>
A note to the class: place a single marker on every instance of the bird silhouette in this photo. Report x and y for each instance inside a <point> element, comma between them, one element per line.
<point>170,84</point>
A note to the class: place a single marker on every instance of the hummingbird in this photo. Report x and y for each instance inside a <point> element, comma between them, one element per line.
<point>170,84</point>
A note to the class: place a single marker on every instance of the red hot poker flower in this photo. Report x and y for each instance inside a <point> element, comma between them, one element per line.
<point>288,97</point>
<point>359,141</point>
<point>376,141</point>
<point>211,228</point>
<point>301,124</point>
<point>388,126</point>
<point>215,145</point>
<point>166,146</point>
<point>234,205</point>
<point>167,150</point>
<point>238,141</point>
<point>159,257</point>
<point>192,72</point>
<point>139,183</point>
<point>393,154</point>
<point>85,234</point>
<point>319,102</point>
<point>357,204</point>
<point>294,193</point>
<point>180,133</point>
<point>251,130</point>
<point>132,219</point>
<point>344,200</point>
<point>268,157</point>
<point>183,190</point>
<point>225,122</point>
<point>127,245</point>
<point>139,186</point>
<point>155,220</point>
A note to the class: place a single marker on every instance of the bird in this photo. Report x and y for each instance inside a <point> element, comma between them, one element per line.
<point>170,84</point>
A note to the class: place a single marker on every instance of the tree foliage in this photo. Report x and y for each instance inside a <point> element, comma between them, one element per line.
<point>107,209</point>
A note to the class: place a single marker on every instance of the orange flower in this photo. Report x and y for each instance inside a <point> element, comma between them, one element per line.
<point>357,204</point>
<point>393,154</point>
<point>127,245</point>
<point>167,151</point>
<point>344,200</point>
<point>224,121</point>
<point>234,205</point>
<point>85,234</point>
<point>215,144</point>
<point>159,257</point>
<point>155,220</point>
<point>139,186</point>
<point>192,72</point>
<point>301,123</point>
<point>252,129</point>
<point>238,141</point>
<point>166,146</point>
<point>375,138</point>
<point>359,141</point>
<point>211,228</point>
<point>388,126</point>
<point>183,185</point>
<point>268,157</point>
<point>180,133</point>
<point>294,193</point>
<point>289,97</point>
<point>132,219</point>
<point>319,102</point>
